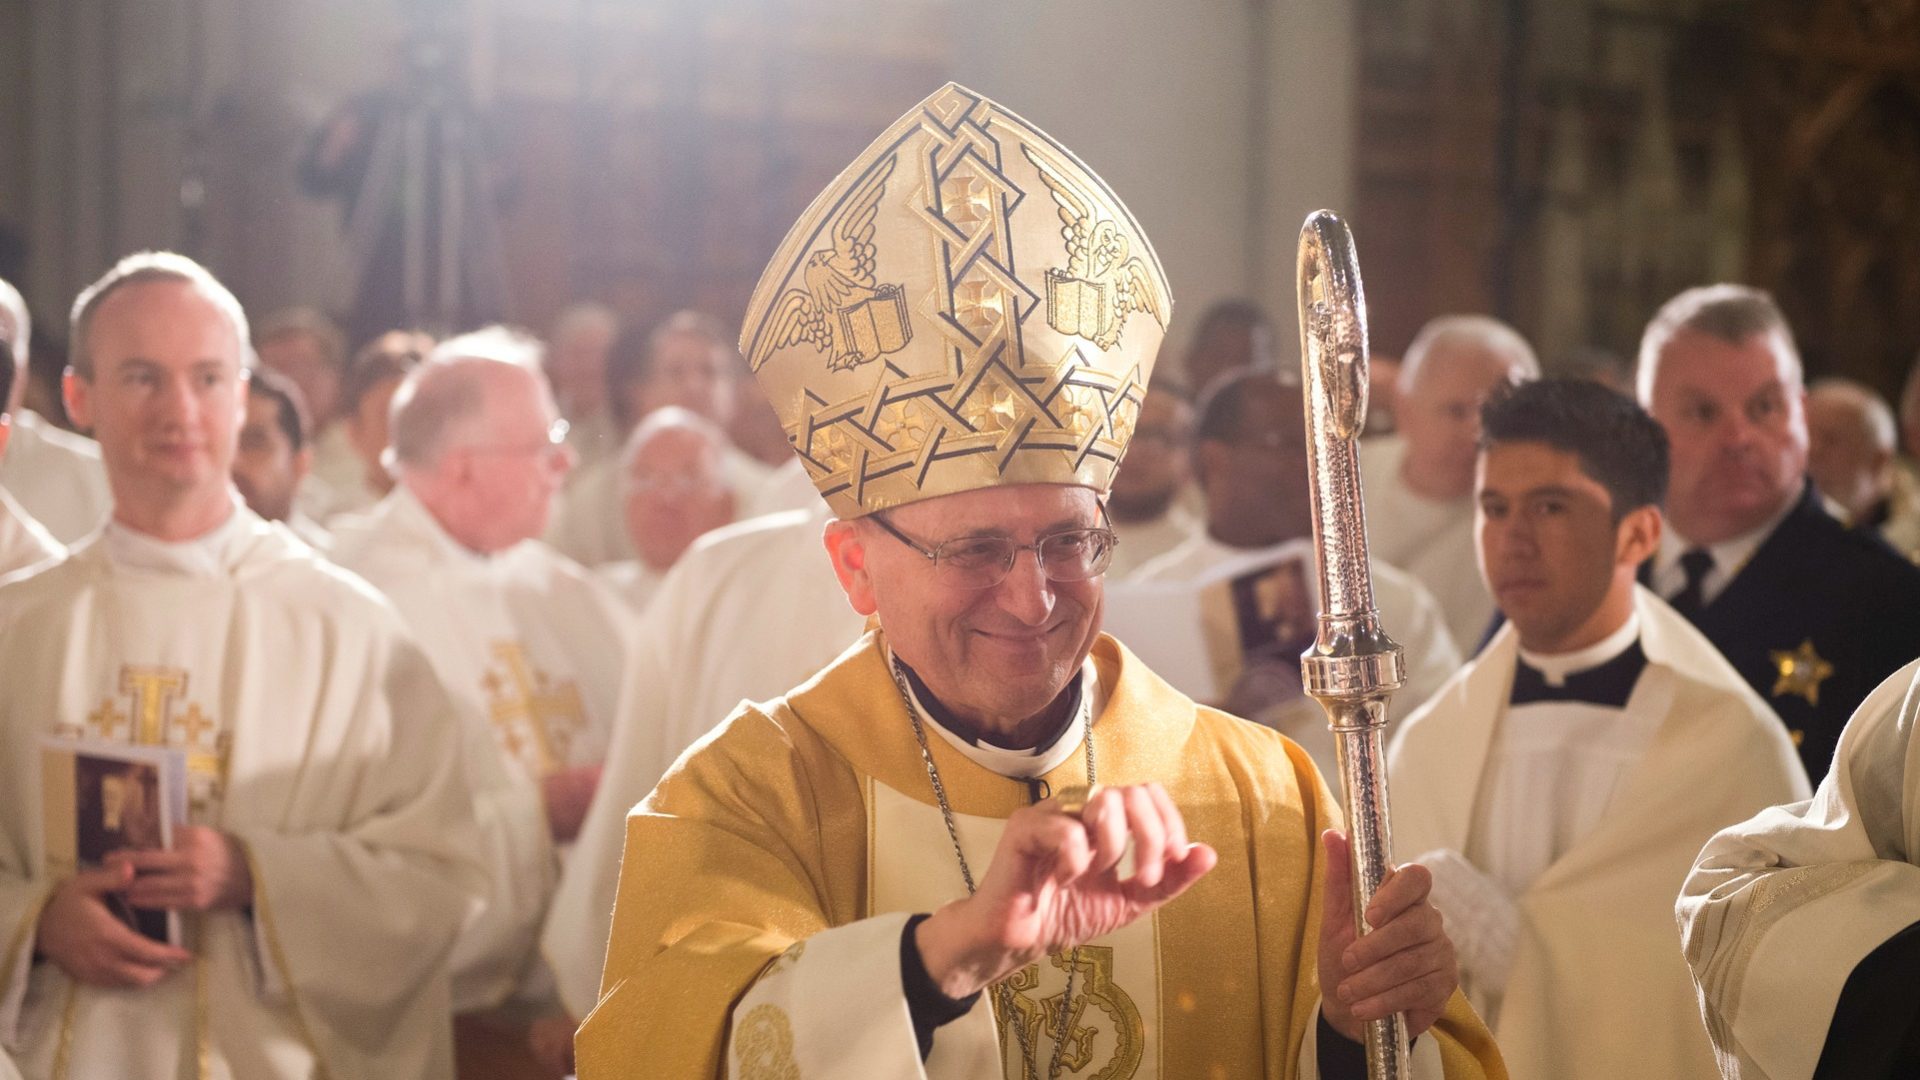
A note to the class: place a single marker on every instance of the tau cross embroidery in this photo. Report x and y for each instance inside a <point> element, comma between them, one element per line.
<point>533,716</point>
<point>1801,671</point>
<point>155,717</point>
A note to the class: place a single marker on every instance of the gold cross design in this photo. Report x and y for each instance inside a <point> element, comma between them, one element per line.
<point>521,699</point>
<point>153,690</point>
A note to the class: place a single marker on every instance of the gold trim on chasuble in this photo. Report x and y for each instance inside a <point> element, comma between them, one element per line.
<point>967,305</point>
<point>1116,1001</point>
<point>160,712</point>
<point>535,716</point>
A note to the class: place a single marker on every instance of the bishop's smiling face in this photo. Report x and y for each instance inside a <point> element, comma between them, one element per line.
<point>996,656</point>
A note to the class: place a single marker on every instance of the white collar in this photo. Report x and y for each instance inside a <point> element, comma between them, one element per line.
<point>1019,764</point>
<point>1555,667</point>
<point>209,555</point>
<point>412,513</point>
<point>1729,556</point>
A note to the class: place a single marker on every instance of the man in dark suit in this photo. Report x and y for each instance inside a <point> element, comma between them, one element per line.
<point>1812,614</point>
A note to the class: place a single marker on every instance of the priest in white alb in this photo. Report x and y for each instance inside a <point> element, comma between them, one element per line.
<point>327,856</point>
<point>674,489</point>
<point>1561,784</point>
<point>530,646</point>
<point>750,611</point>
<point>53,474</point>
<point>987,840</point>
<point>1802,925</point>
<point>1418,482</point>
<point>1253,455</point>
<point>24,542</point>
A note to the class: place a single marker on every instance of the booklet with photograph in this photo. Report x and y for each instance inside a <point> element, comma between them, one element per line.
<point>100,797</point>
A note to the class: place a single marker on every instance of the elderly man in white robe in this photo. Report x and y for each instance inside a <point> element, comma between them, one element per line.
<point>1252,453</point>
<point>1418,482</point>
<point>24,542</point>
<point>1802,925</point>
<point>686,361</point>
<point>53,474</point>
<point>675,490</point>
<point>326,861</point>
<point>1561,784</point>
<point>529,645</point>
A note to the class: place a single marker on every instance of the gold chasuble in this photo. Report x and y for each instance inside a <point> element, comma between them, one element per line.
<point>768,878</point>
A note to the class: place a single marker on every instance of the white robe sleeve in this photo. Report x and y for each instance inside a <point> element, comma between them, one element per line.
<point>1482,920</point>
<point>403,851</point>
<point>1780,909</point>
<point>834,1007</point>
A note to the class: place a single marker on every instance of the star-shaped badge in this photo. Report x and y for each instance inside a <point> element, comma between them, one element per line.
<point>1802,670</point>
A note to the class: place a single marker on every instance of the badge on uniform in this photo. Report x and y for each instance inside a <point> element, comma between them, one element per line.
<point>1801,671</point>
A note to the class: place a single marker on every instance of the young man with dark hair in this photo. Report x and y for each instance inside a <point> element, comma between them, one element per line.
<point>1560,785</point>
<point>275,455</point>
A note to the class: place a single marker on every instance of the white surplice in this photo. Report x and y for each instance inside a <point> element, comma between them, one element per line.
<point>1594,984</point>
<point>747,613</point>
<point>336,485</point>
<point>631,580</point>
<point>56,476</point>
<point>24,542</point>
<point>590,518</point>
<point>1407,612</point>
<point>532,650</point>
<point>1780,909</point>
<point>317,735</point>
<point>1433,541</point>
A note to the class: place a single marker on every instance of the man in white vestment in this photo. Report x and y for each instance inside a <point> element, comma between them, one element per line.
<point>24,542</point>
<point>1253,468</point>
<point>751,610</point>
<point>1418,482</point>
<point>689,361</point>
<point>349,471</point>
<point>1562,783</point>
<point>275,456</point>
<point>327,856</point>
<point>529,645</point>
<point>1802,925</point>
<point>54,475</point>
<point>676,490</point>
<point>1147,504</point>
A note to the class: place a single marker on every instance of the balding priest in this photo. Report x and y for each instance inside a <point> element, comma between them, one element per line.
<point>987,841</point>
<point>324,861</point>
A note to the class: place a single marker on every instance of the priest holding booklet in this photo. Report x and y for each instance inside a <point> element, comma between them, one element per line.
<point>988,840</point>
<point>325,865</point>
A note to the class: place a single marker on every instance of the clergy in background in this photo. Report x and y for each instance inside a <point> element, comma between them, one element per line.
<point>1853,447</point>
<point>24,542</point>
<point>1561,784</point>
<point>576,365</point>
<point>1802,925</point>
<point>1253,470</point>
<point>530,646</point>
<point>1149,517</point>
<point>54,475</point>
<point>1814,615</point>
<point>326,861</point>
<point>674,490</point>
<point>751,611</point>
<point>349,468</point>
<point>1418,482</point>
<point>689,360</point>
<point>910,865</point>
<point>275,456</point>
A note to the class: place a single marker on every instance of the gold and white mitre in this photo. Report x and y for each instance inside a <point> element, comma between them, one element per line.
<point>966,306</point>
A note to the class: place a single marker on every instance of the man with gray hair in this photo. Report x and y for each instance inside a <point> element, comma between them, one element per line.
<point>529,645</point>
<point>1852,455</point>
<point>1418,482</point>
<point>55,475</point>
<point>676,491</point>
<point>324,860</point>
<point>1812,614</point>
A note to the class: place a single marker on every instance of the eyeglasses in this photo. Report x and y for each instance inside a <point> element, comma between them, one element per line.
<point>981,562</point>
<point>556,438</point>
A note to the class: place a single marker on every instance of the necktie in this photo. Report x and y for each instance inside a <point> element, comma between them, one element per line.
<point>1695,563</point>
